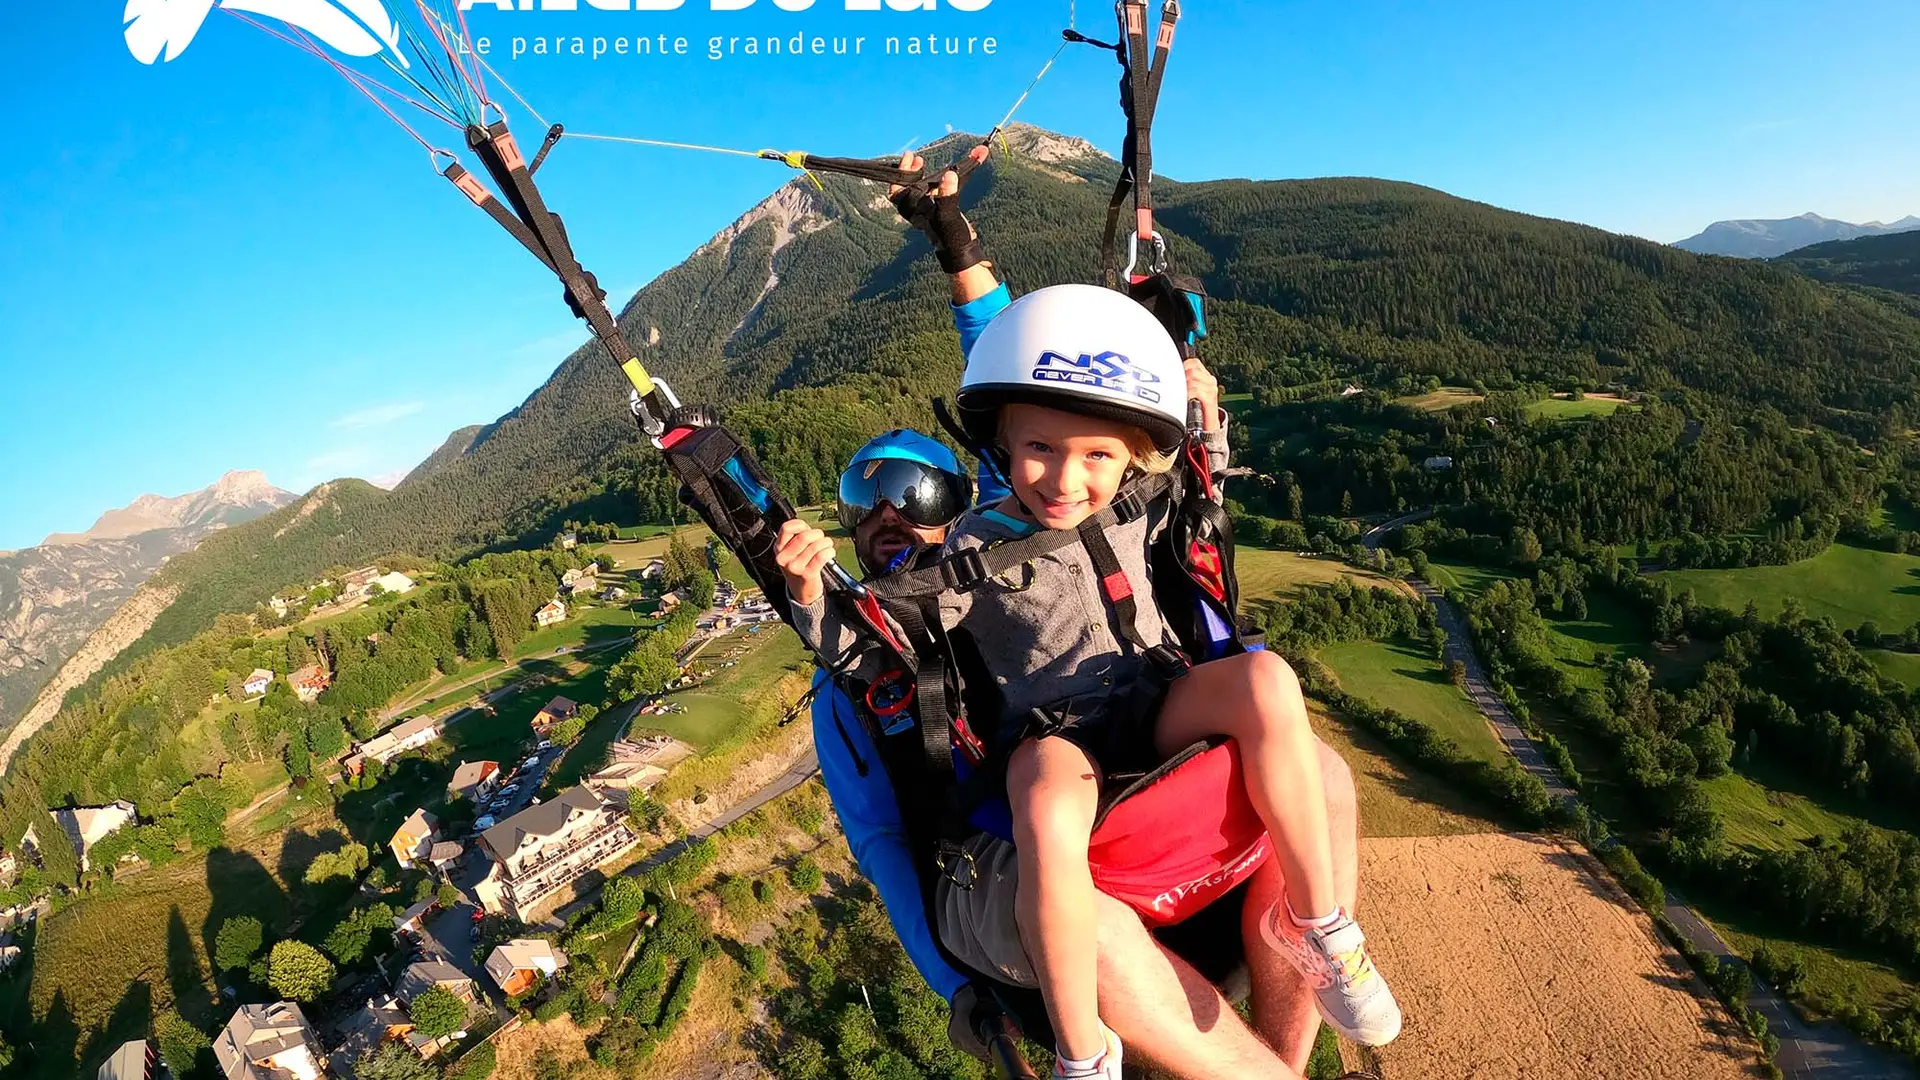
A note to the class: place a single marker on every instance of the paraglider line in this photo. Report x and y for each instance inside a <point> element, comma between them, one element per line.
<point>360,81</point>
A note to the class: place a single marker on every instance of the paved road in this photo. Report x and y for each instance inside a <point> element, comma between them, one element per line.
<point>1460,647</point>
<point>796,774</point>
<point>1807,1051</point>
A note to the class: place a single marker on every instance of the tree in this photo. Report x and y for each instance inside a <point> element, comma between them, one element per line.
<point>438,1012</point>
<point>299,758</point>
<point>1457,672</point>
<point>447,895</point>
<point>181,1044</point>
<point>238,941</point>
<point>297,970</point>
<point>368,929</point>
<point>568,732</point>
<point>345,863</point>
<point>394,1061</point>
<point>326,738</point>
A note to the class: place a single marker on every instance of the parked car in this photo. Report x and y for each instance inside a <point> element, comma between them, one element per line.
<point>545,744</point>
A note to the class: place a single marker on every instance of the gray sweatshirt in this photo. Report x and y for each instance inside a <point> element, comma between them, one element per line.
<point>1044,630</point>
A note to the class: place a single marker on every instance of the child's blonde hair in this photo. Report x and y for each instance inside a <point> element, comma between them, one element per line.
<point>1146,457</point>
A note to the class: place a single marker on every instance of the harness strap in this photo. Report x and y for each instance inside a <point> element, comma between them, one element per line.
<point>965,569</point>
<point>1139,99</point>
<point>1114,585</point>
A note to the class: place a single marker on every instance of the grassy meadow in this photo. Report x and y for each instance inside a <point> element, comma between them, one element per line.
<point>1405,677</point>
<point>1845,583</point>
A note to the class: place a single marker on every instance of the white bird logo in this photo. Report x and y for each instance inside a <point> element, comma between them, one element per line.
<point>352,27</point>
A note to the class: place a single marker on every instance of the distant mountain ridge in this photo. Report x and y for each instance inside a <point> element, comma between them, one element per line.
<point>1759,238</point>
<point>238,496</point>
<point>54,596</point>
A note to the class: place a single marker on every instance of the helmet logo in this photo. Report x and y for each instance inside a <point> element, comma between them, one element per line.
<point>1110,371</point>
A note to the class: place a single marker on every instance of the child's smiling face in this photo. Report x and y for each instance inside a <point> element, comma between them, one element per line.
<point>1065,467</point>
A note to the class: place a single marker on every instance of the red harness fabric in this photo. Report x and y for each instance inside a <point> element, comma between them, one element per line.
<point>1187,839</point>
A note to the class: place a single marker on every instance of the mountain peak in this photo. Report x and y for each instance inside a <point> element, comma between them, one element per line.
<point>237,496</point>
<point>1761,238</point>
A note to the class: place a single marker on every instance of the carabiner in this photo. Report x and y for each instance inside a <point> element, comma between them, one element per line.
<point>1159,263</point>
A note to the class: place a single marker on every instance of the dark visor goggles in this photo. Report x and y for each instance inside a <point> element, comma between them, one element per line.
<point>923,495</point>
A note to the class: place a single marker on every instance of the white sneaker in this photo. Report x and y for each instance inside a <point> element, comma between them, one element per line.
<point>1353,996</point>
<point>1107,1067</point>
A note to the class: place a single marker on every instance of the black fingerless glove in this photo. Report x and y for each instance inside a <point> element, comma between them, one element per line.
<point>954,242</point>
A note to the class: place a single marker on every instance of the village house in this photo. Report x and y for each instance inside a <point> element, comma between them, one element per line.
<point>356,584</point>
<point>391,743</point>
<point>413,840</point>
<point>613,594</point>
<point>654,570</point>
<point>474,781</point>
<point>135,1060</point>
<point>408,921</point>
<point>269,1042</point>
<point>86,826</point>
<point>308,682</point>
<point>516,966</point>
<point>543,849</point>
<point>557,710</point>
<point>380,1020</point>
<point>9,869</point>
<point>257,682</point>
<point>1438,463</point>
<point>434,975</point>
<point>569,541</point>
<point>445,853</point>
<point>580,582</point>
<point>552,613</point>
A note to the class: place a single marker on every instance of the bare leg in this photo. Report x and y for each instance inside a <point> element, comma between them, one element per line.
<point>1283,1007</point>
<point>1055,792</point>
<point>1168,1014</point>
<point>1255,699</point>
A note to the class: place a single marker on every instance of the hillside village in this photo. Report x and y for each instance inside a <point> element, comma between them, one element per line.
<point>505,841</point>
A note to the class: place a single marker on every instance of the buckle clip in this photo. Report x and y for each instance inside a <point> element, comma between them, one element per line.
<point>949,856</point>
<point>1128,507</point>
<point>964,569</point>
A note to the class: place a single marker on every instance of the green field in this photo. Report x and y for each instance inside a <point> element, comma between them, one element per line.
<point>1406,678</point>
<point>585,627</point>
<point>1467,577</point>
<point>1587,646</point>
<point>1833,976</point>
<point>1266,574</point>
<point>1566,409</point>
<point>1763,819</point>
<point>1903,668</point>
<point>1442,399</point>
<point>721,707</point>
<point>1844,583</point>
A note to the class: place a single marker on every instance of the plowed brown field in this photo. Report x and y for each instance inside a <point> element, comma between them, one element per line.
<point>1516,958</point>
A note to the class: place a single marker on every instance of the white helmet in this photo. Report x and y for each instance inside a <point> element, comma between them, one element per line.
<point>1083,349</point>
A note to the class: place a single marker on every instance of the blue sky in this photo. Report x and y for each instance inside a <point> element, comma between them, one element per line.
<point>233,261</point>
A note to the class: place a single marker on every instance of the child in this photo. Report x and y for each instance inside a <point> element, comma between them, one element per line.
<point>1080,389</point>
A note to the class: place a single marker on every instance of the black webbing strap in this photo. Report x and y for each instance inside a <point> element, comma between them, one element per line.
<point>1139,98</point>
<point>921,622</point>
<point>474,190</point>
<point>1115,586</point>
<point>964,569</point>
<point>878,170</point>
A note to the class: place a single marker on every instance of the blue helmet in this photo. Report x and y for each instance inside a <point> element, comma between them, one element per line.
<point>918,476</point>
<point>901,444</point>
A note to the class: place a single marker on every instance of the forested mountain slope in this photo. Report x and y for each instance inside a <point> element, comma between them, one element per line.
<point>821,299</point>
<point>1881,262</point>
